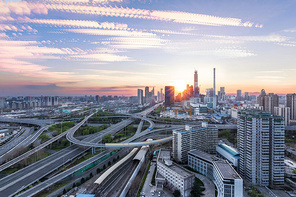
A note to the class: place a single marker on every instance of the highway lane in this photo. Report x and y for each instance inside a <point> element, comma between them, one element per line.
<point>19,180</point>
<point>61,176</point>
<point>28,153</point>
<point>28,121</point>
<point>139,129</point>
<point>22,134</point>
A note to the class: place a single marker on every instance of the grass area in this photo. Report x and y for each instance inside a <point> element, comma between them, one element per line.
<point>59,145</point>
<point>9,170</point>
<point>55,188</point>
<point>143,180</point>
<point>153,176</point>
<point>124,134</point>
<point>90,130</point>
<point>61,127</point>
<point>255,193</point>
<point>229,135</point>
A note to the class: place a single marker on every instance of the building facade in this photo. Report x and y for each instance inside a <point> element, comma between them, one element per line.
<point>201,137</point>
<point>291,102</point>
<point>140,97</point>
<point>175,175</point>
<point>284,112</point>
<point>260,141</point>
<point>226,179</point>
<point>169,92</point>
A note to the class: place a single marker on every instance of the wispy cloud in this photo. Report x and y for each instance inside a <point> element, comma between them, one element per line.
<point>173,16</point>
<point>78,23</point>
<point>22,8</point>
<point>102,57</point>
<point>120,72</point>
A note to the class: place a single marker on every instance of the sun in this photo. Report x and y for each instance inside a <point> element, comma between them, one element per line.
<point>180,85</point>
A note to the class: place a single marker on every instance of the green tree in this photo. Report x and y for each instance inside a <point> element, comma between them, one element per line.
<point>107,138</point>
<point>177,193</point>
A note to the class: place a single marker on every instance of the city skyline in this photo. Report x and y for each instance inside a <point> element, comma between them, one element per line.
<point>74,47</point>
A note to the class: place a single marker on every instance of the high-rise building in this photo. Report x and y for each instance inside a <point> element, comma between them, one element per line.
<point>283,111</point>
<point>221,94</point>
<point>260,141</point>
<point>161,94</point>
<point>2,102</point>
<point>97,98</point>
<point>239,95</point>
<point>214,90</point>
<point>169,95</point>
<point>247,97</point>
<point>268,101</point>
<point>147,99</point>
<point>196,88</point>
<point>201,137</point>
<point>291,102</point>
<point>140,97</point>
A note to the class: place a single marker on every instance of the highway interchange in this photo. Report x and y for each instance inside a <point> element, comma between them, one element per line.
<point>13,183</point>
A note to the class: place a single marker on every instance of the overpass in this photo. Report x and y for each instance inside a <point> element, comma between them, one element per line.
<point>29,121</point>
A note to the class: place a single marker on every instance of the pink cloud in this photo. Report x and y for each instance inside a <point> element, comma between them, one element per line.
<point>22,8</point>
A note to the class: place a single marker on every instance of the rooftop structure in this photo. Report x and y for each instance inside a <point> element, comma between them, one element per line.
<point>227,180</point>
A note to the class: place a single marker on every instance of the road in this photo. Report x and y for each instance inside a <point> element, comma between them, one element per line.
<point>28,121</point>
<point>20,136</point>
<point>21,179</point>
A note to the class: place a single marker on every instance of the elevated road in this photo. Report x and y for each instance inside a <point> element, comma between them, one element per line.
<point>30,121</point>
<point>38,188</point>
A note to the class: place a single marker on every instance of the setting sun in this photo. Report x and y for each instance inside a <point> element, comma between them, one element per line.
<point>180,85</point>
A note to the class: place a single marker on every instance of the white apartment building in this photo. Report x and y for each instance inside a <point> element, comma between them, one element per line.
<point>226,179</point>
<point>202,137</point>
<point>175,175</point>
<point>260,141</point>
<point>283,111</point>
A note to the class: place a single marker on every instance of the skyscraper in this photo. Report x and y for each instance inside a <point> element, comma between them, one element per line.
<point>247,97</point>
<point>161,94</point>
<point>147,100</point>
<point>169,95</point>
<point>283,111</point>
<point>196,88</point>
<point>140,97</point>
<point>291,102</point>
<point>239,95</point>
<point>268,101</point>
<point>2,102</point>
<point>214,91</point>
<point>260,141</point>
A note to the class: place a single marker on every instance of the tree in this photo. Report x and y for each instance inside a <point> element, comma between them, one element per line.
<point>196,190</point>
<point>74,185</point>
<point>90,175</point>
<point>107,138</point>
<point>64,191</point>
<point>82,180</point>
<point>177,193</point>
<point>109,163</point>
<point>104,167</point>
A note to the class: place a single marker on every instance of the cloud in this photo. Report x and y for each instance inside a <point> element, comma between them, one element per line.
<point>121,72</point>
<point>82,1</point>
<point>135,42</point>
<point>22,8</point>
<point>78,23</point>
<point>102,57</point>
<point>112,32</point>
<point>173,16</point>
<point>49,87</point>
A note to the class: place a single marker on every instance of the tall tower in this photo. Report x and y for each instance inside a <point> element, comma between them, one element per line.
<point>147,99</point>
<point>214,92</point>
<point>196,89</point>
<point>261,143</point>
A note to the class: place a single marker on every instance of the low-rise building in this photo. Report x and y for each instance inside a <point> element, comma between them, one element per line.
<point>174,175</point>
<point>226,179</point>
<point>229,153</point>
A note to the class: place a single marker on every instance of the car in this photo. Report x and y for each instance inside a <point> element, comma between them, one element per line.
<point>152,193</point>
<point>150,185</point>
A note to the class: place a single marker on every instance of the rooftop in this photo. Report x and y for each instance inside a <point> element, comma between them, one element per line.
<point>229,149</point>
<point>223,166</point>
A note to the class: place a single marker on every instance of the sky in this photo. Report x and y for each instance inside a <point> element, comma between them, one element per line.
<point>114,47</point>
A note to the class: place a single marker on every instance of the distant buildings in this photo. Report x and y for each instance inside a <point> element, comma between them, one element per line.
<point>226,179</point>
<point>260,141</point>
<point>239,95</point>
<point>202,137</point>
<point>291,102</point>
<point>174,175</point>
<point>140,97</point>
<point>147,98</point>
<point>284,112</point>
<point>2,102</point>
<point>169,95</point>
<point>268,101</point>
<point>196,88</point>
